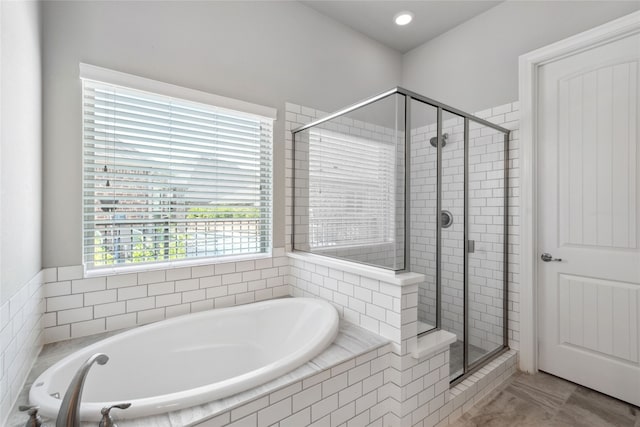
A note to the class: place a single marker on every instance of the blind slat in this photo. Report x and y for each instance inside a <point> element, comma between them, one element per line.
<point>351,189</point>
<point>167,179</point>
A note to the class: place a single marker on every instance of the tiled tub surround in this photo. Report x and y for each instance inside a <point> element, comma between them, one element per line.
<point>417,389</point>
<point>76,306</point>
<point>377,388</point>
<point>20,340</point>
<point>366,296</point>
<point>195,358</point>
<point>344,383</point>
<point>407,391</point>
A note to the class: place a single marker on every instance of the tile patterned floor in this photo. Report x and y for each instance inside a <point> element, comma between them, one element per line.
<point>543,400</point>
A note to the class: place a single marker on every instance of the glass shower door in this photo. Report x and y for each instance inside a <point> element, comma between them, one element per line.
<point>423,194</point>
<point>486,251</point>
<point>451,225</point>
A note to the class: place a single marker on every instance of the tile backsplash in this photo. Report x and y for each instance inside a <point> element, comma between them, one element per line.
<point>76,306</point>
<point>20,340</point>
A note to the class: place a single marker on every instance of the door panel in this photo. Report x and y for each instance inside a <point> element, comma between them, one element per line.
<point>588,194</point>
<point>600,316</point>
<point>596,126</point>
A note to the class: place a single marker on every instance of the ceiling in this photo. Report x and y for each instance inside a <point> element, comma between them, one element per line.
<point>375,18</point>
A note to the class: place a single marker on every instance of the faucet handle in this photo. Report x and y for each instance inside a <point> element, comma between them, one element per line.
<point>107,421</point>
<point>34,418</point>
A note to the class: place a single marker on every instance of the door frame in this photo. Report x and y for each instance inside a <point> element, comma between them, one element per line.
<point>529,68</point>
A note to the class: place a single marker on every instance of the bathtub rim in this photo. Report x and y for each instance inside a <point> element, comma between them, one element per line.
<point>90,411</point>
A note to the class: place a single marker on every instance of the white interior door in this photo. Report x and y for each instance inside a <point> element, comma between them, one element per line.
<point>589,217</point>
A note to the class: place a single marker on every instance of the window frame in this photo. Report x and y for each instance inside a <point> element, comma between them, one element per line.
<point>155,88</point>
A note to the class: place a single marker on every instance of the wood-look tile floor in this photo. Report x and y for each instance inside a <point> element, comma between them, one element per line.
<point>543,400</point>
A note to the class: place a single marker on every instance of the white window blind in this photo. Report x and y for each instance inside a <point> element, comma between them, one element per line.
<point>168,179</point>
<point>351,190</point>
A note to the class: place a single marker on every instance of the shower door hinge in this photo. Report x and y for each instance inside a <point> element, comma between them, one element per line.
<point>471,246</point>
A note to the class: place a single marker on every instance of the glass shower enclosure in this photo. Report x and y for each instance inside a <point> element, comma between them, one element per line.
<point>405,183</point>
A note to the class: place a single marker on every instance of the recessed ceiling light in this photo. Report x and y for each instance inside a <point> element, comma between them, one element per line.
<point>403,18</point>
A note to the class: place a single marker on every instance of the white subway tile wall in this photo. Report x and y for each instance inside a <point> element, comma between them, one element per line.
<point>385,254</point>
<point>486,221</point>
<point>361,392</point>
<point>364,301</point>
<point>20,339</point>
<point>77,306</point>
<point>417,391</point>
<point>350,394</point>
<point>485,224</point>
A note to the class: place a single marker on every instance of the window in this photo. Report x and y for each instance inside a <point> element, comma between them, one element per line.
<point>170,179</point>
<point>351,190</point>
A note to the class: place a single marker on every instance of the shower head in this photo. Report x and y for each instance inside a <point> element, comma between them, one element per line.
<point>434,140</point>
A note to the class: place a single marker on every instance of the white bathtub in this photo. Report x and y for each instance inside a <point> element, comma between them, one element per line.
<point>193,359</point>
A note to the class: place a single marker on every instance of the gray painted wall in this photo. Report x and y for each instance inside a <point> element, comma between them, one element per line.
<point>20,145</point>
<point>269,53</point>
<point>261,52</point>
<point>475,66</point>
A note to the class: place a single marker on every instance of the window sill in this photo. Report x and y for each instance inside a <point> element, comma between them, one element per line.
<point>139,268</point>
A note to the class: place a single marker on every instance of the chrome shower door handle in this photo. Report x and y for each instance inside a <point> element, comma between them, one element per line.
<point>546,257</point>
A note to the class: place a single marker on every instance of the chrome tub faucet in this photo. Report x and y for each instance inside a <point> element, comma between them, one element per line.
<point>69,413</point>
